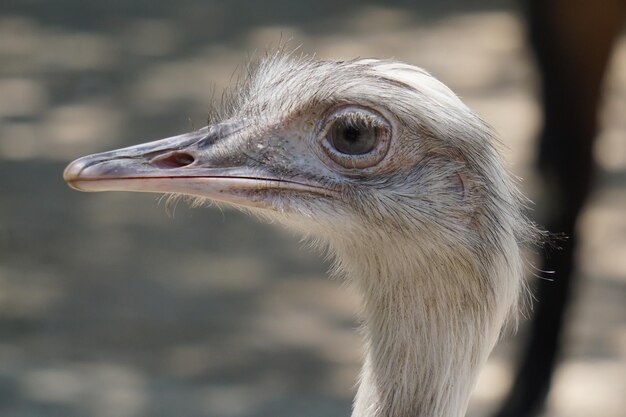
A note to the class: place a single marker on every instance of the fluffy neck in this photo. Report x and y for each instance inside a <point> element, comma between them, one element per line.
<point>430,321</point>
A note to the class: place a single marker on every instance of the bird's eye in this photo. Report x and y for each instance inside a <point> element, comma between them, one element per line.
<point>353,137</point>
<point>356,137</point>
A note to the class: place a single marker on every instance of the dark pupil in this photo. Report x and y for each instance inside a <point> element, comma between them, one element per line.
<point>353,139</point>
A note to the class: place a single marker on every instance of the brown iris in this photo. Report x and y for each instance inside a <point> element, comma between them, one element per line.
<point>356,137</point>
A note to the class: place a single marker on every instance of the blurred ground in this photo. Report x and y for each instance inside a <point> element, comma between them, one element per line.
<point>108,307</point>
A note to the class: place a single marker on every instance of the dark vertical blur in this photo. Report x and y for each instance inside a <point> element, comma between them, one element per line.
<point>572,41</point>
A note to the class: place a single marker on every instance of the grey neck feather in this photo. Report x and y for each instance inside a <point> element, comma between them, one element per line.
<point>429,325</point>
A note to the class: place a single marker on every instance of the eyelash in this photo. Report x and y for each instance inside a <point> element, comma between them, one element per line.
<point>353,119</point>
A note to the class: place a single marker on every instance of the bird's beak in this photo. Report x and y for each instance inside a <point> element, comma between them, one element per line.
<point>185,164</point>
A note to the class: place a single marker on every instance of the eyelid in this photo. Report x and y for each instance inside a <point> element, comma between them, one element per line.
<point>354,114</point>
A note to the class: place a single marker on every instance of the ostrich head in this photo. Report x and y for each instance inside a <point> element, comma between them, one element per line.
<point>385,165</point>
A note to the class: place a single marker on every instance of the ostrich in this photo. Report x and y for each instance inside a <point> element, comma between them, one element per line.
<point>386,167</point>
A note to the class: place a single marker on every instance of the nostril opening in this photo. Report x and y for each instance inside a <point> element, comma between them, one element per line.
<point>173,160</point>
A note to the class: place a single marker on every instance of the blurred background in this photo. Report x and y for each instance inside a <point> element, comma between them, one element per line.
<point>110,307</point>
